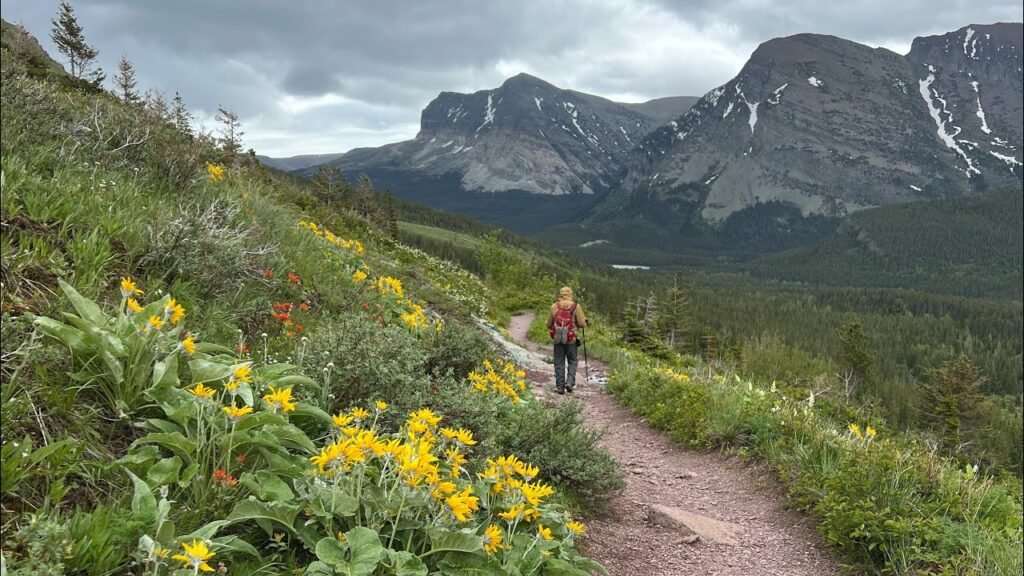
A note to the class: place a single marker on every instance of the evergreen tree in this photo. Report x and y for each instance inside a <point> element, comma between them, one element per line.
<point>125,81</point>
<point>855,357</point>
<point>950,398</point>
<point>709,345</point>
<point>180,115</point>
<point>390,216</point>
<point>328,183</point>
<point>156,104</point>
<point>675,321</point>
<point>230,131</point>
<point>67,34</point>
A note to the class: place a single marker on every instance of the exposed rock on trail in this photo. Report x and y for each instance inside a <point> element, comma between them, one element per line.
<point>682,512</point>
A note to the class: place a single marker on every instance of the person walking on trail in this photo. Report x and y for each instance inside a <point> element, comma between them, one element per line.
<point>565,319</point>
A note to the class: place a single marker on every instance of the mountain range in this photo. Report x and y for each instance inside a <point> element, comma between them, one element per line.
<point>812,126</point>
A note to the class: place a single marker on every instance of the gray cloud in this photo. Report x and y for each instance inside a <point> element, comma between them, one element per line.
<point>324,76</point>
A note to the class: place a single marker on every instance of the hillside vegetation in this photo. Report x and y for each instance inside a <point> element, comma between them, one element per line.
<point>207,367</point>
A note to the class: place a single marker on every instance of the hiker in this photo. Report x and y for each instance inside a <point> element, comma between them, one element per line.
<point>565,318</point>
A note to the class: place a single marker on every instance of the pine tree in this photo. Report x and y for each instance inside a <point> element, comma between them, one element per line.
<point>950,398</point>
<point>675,321</point>
<point>67,34</point>
<point>328,182</point>
<point>156,104</point>
<point>855,356</point>
<point>230,131</point>
<point>709,345</point>
<point>125,82</point>
<point>390,216</point>
<point>180,115</point>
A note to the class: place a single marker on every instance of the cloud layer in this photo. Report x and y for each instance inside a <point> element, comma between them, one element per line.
<point>319,76</point>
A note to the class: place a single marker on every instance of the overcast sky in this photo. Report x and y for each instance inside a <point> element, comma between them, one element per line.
<point>318,76</point>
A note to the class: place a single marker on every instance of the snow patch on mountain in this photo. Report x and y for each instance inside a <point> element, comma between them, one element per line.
<point>488,112</point>
<point>928,93</point>
<point>980,112</point>
<point>538,101</point>
<point>593,243</point>
<point>813,81</point>
<point>776,96</point>
<point>728,110</point>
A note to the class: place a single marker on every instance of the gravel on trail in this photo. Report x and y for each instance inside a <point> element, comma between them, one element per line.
<point>770,540</point>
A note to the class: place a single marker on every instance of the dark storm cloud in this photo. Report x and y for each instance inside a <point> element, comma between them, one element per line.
<point>320,76</point>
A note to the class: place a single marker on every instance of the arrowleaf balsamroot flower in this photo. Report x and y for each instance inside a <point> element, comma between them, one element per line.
<point>195,556</point>
<point>128,287</point>
<point>577,528</point>
<point>189,345</point>
<point>134,306</point>
<point>242,372</point>
<point>543,532</point>
<point>381,405</point>
<point>236,413</point>
<point>463,504</point>
<point>155,321</point>
<point>200,391</point>
<point>359,276</point>
<point>492,539</point>
<point>462,436</point>
<point>359,414</point>
<point>215,171</point>
<point>280,399</point>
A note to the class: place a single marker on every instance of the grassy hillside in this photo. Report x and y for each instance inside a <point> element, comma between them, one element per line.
<point>972,246</point>
<point>203,363</point>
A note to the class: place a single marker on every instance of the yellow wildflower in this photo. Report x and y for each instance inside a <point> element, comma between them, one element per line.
<point>189,344</point>
<point>232,385</point>
<point>529,472</point>
<point>155,321</point>
<point>512,513</point>
<point>855,430</point>
<point>359,414</point>
<point>128,287</point>
<point>388,285</point>
<point>280,399</point>
<point>456,459</point>
<point>463,504</point>
<point>242,372</point>
<point>381,405</point>
<point>134,306</point>
<point>200,391</point>
<point>535,493</point>
<point>576,528</point>
<point>195,556</point>
<point>177,312</point>
<point>871,433</point>
<point>492,539</point>
<point>543,532</point>
<point>359,276</point>
<point>215,171</point>
<point>236,413</point>
<point>341,420</point>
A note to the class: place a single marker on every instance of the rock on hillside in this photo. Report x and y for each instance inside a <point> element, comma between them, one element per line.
<point>833,126</point>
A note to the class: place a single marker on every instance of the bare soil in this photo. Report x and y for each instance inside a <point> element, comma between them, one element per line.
<point>772,540</point>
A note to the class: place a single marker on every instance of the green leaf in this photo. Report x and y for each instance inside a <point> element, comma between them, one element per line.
<point>590,566</point>
<point>443,540</point>
<point>186,475</point>
<point>206,371</point>
<point>143,455</point>
<point>291,435</point>
<point>330,502</point>
<point>164,472</point>
<point>258,419</point>
<point>318,568</point>
<point>72,338</point>
<point>165,372</point>
<point>233,543</point>
<point>143,501</point>
<point>364,546</point>
<point>86,308</point>
<point>407,564</point>
<point>292,380</point>
<point>211,348</point>
<point>559,567</point>
<point>173,441</point>
<point>161,425</point>
<point>273,371</point>
<point>308,410</point>
<point>206,531</point>
<point>280,512</point>
<point>267,486</point>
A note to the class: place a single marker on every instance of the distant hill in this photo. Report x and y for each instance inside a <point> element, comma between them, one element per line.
<point>299,162</point>
<point>970,246</point>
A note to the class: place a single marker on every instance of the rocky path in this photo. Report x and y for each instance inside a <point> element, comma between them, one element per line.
<point>683,512</point>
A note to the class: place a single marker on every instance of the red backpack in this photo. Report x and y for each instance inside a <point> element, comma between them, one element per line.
<point>563,329</point>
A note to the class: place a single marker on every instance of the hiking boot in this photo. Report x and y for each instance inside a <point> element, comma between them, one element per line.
<point>560,391</point>
<point>569,389</point>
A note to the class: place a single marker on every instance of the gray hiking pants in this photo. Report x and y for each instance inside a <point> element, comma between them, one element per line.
<point>565,378</point>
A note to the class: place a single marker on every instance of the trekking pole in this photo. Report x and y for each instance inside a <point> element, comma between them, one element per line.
<point>586,361</point>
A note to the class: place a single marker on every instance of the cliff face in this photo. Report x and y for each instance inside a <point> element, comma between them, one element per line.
<point>832,126</point>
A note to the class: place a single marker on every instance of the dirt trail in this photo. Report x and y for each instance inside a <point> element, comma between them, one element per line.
<point>767,539</point>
